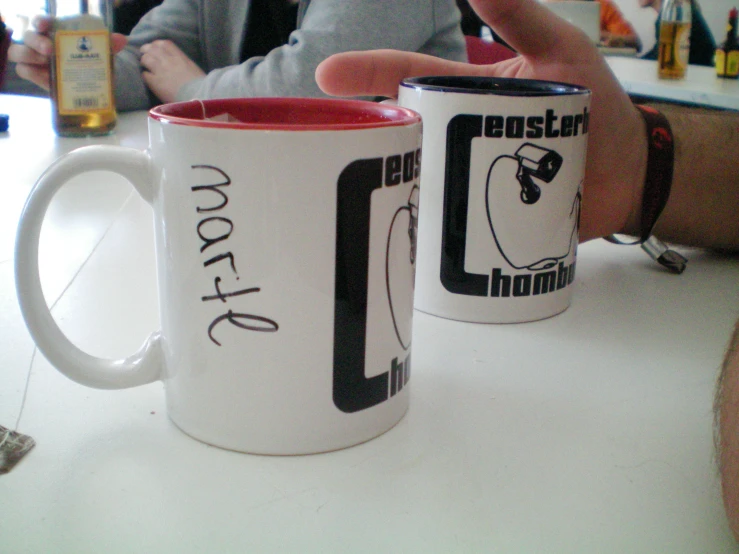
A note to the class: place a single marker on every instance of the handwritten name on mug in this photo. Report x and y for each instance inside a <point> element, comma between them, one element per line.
<point>215,229</point>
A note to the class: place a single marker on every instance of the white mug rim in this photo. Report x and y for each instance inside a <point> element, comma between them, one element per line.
<point>369,115</point>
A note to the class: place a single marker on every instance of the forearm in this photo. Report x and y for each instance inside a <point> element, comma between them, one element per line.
<point>130,91</point>
<point>329,27</point>
<point>703,208</point>
<point>727,428</point>
<point>274,75</point>
<point>175,20</point>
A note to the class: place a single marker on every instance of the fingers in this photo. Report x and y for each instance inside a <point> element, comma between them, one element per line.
<point>165,47</point>
<point>37,74</point>
<point>149,80</point>
<point>32,58</point>
<point>118,42</point>
<point>36,48</point>
<point>531,28</point>
<point>378,72</point>
<point>158,52</point>
<point>42,24</point>
<point>166,69</point>
<point>150,56</point>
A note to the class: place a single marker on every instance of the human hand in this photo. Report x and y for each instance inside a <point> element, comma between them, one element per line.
<point>551,49</point>
<point>608,39</point>
<point>619,41</point>
<point>32,56</point>
<point>167,68</point>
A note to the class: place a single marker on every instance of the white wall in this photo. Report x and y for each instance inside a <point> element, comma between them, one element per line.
<point>642,19</point>
<point>714,11</point>
<point>17,14</point>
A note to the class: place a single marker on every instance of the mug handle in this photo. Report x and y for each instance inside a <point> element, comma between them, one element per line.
<point>145,366</point>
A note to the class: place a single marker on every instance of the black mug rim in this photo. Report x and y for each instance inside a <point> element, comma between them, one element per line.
<point>499,86</point>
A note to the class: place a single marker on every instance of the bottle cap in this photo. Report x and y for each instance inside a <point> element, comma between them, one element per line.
<point>4,121</point>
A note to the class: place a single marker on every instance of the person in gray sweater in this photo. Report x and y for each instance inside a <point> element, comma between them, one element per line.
<point>185,49</point>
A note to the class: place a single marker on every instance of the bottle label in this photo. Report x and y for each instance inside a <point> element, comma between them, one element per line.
<point>727,63</point>
<point>732,64</point>
<point>720,61</point>
<point>84,82</point>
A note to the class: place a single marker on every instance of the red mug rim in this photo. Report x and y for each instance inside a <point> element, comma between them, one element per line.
<point>285,114</point>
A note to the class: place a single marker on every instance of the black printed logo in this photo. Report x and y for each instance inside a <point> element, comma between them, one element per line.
<point>352,389</point>
<point>516,209</point>
<point>400,278</point>
<point>84,44</point>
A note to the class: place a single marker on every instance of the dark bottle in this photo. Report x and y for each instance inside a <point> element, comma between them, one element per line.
<point>727,54</point>
<point>4,44</point>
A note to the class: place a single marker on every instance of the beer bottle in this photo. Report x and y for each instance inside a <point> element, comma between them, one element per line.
<point>727,54</point>
<point>674,39</point>
<point>82,67</point>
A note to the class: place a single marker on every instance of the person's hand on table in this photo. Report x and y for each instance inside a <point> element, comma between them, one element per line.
<point>32,56</point>
<point>167,68</point>
<point>550,49</point>
<point>619,41</point>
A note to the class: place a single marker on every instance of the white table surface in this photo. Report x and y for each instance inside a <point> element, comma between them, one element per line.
<point>700,86</point>
<point>587,432</point>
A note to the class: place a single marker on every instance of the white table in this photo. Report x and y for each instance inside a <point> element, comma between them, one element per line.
<point>587,432</point>
<point>700,86</point>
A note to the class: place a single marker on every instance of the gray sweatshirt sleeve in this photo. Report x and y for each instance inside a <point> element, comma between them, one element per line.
<point>176,20</point>
<point>326,27</point>
<point>331,26</point>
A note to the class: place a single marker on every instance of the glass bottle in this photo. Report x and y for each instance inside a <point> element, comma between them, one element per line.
<point>82,96</point>
<point>674,39</point>
<point>727,54</point>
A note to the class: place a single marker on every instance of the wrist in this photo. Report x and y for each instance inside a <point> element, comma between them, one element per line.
<point>658,173</point>
<point>636,171</point>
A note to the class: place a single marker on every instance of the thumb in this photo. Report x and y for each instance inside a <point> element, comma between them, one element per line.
<point>531,28</point>
<point>118,42</point>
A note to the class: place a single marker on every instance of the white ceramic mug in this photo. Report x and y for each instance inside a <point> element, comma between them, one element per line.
<point>285,239</point>
<point>502,172</point>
